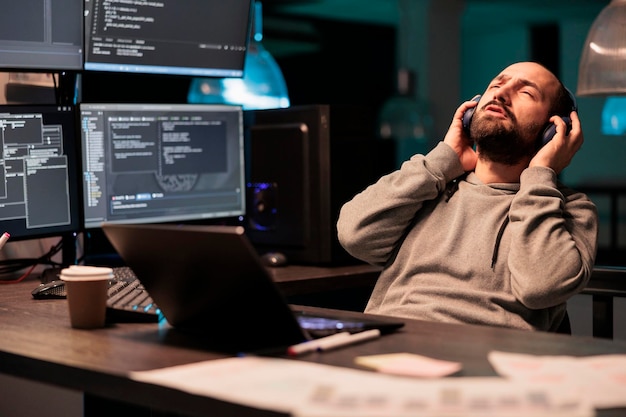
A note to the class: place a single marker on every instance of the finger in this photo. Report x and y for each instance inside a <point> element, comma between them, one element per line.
<point>560,125</point>
<point>575,122</point>
<point>577,131</point>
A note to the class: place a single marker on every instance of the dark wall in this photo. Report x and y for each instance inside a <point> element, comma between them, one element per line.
<point>545,46</point>
<point>354,64</point>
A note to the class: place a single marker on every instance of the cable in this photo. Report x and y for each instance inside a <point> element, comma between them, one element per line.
<point>9,266</point>
<point>14,281</point>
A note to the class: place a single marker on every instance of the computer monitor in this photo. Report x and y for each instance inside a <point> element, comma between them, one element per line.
<point>41,35</point>
<point>204,38</point>
<point>161,163</point>
<point>39,191</point>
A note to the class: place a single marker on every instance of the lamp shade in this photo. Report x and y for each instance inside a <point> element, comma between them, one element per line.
<point>602,69</point>
<point>262,85</point>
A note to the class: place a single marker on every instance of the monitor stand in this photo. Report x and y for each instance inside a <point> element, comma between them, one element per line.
<point>68,249</point>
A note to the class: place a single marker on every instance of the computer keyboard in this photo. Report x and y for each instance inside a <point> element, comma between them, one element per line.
<point>128,300</point>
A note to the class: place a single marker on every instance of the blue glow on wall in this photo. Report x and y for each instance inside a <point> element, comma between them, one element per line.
<point>614,116</point>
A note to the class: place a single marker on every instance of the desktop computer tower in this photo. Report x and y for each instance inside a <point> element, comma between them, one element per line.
<point>304,163</point>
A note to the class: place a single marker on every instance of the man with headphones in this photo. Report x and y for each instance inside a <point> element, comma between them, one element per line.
<point>479,230</point>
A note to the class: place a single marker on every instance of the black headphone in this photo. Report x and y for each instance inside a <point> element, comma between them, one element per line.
<point>548,132</point>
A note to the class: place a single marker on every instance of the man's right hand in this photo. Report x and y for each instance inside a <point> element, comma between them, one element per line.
<point>459,141</point>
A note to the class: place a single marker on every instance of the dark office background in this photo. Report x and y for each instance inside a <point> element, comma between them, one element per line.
<point>348,51</point>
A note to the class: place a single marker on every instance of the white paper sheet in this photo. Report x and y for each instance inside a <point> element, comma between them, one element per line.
<point>601,378</point>
<point>313,390</point>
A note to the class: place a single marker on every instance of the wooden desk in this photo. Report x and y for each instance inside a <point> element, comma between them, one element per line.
<point>342,287</point>
<point>38,343</point>
<point>302,280</point>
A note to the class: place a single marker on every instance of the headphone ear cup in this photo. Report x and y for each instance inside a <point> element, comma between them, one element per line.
<point>467,116</point>
<point>550,130</point>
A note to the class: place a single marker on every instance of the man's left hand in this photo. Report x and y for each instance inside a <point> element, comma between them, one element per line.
<point>558,153</point>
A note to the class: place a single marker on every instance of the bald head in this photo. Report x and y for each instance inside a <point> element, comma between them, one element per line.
<point>534,75</point>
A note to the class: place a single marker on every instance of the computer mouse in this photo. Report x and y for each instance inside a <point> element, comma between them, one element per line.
<point>274,259</point>
<point>50,290</point>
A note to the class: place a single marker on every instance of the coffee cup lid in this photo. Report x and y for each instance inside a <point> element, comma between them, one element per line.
<point>85,272</point>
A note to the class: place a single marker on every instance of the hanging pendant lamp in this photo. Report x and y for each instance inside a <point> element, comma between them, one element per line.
<point>602,68</point>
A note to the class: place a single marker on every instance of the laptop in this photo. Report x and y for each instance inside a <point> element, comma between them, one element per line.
<point>210,281</point>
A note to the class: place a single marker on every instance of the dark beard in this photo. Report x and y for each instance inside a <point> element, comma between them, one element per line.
<point>500,144</point>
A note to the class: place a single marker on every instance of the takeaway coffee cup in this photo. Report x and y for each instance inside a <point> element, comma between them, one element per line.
<point>86,288</point>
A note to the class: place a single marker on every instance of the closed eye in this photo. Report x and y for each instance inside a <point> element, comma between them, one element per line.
<point>531,94</point>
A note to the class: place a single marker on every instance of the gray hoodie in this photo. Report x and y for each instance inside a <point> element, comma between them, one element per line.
<point>457,250</point>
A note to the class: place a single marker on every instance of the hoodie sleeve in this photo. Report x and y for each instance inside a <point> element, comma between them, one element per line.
<point>371,224</point>
<point>554,241</point>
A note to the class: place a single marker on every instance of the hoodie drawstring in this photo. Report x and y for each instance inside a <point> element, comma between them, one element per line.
<point>494,256</point>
